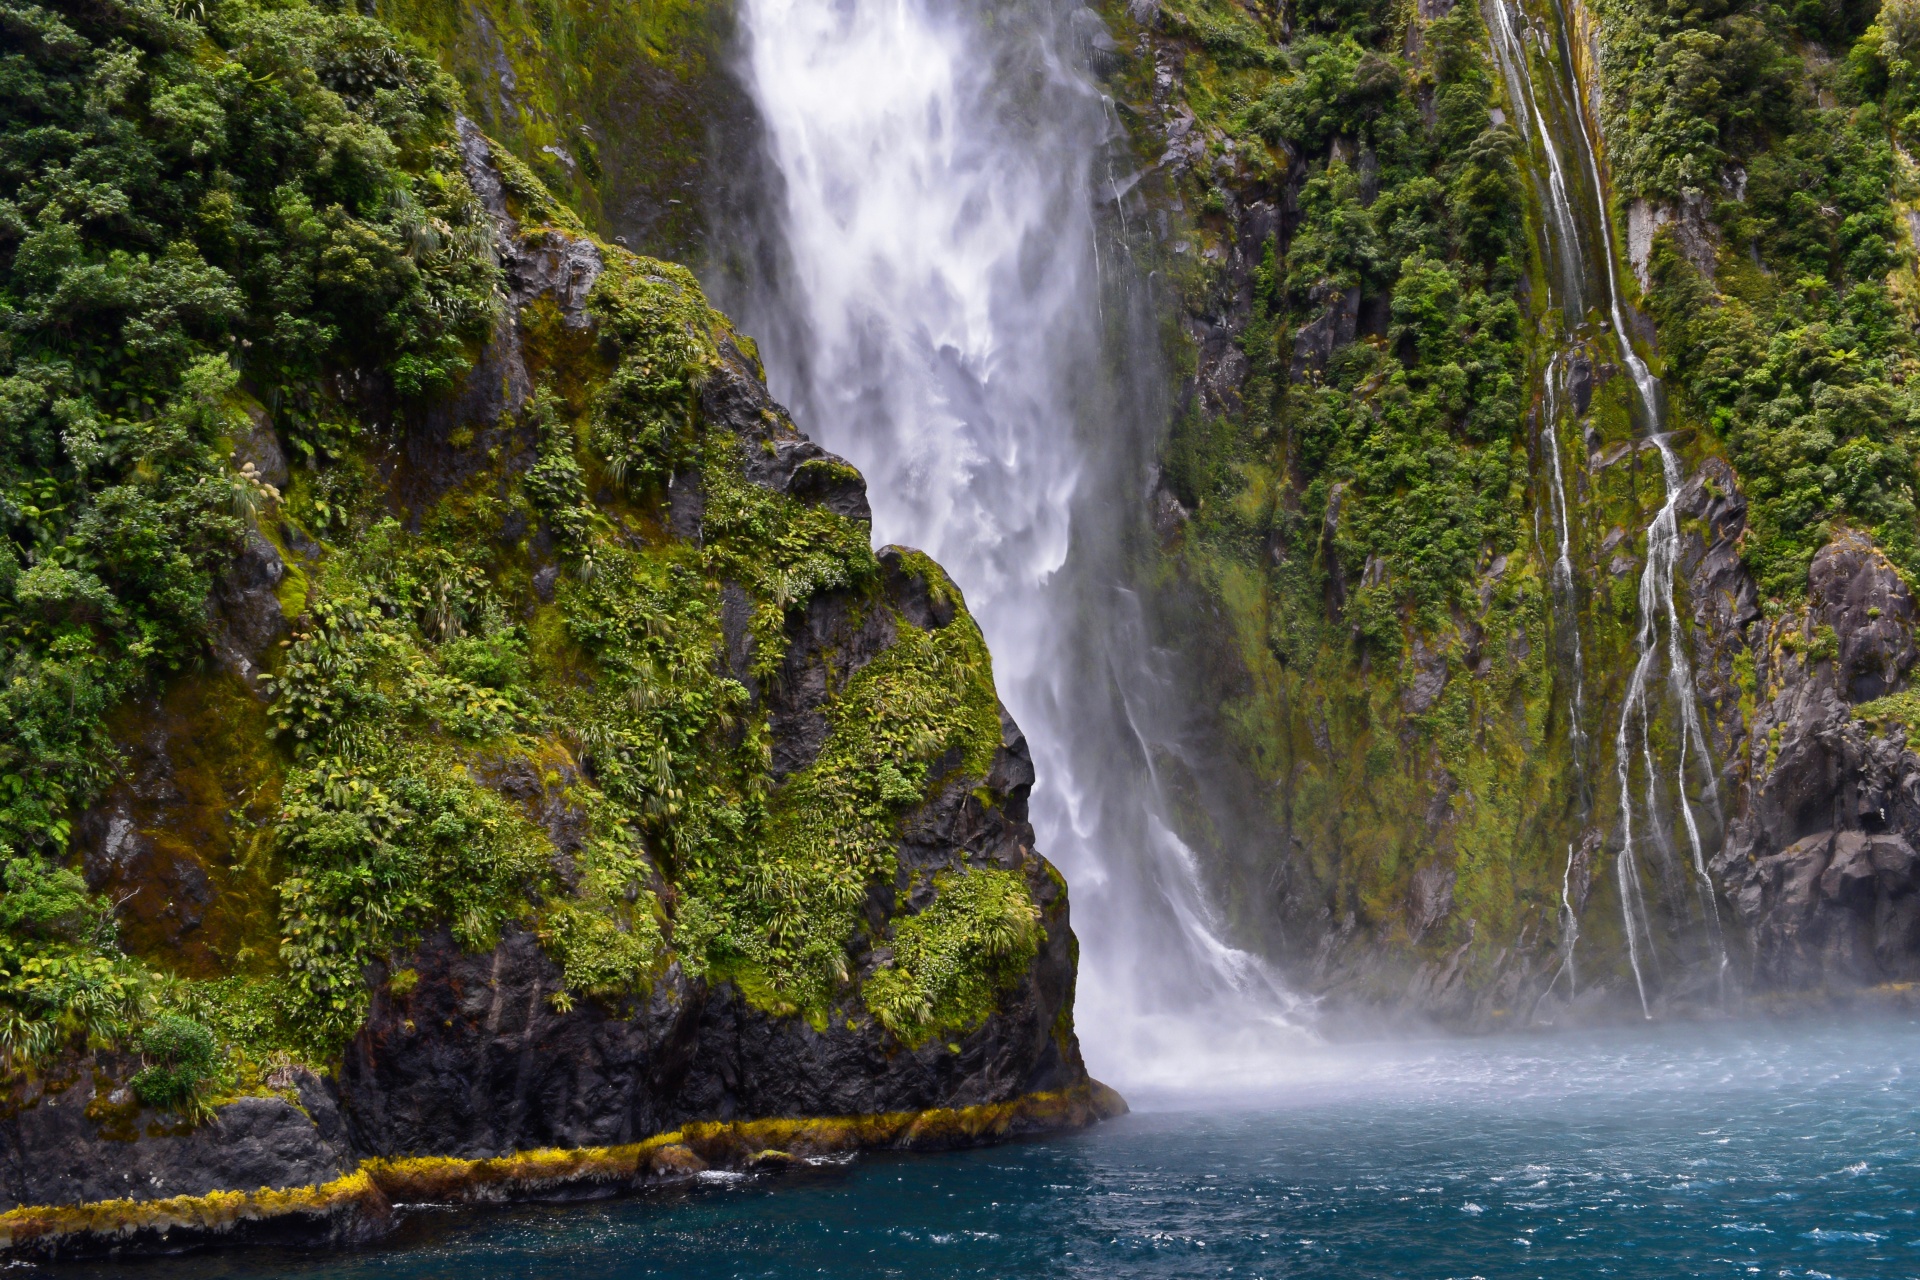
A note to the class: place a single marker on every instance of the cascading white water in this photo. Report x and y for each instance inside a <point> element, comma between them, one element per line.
<point>1562,572</point>
<point>1563,590</point>
<point>1564,246</point>
<point>1565,234</point>
<point>944,331</point>
<point>1656,595</point>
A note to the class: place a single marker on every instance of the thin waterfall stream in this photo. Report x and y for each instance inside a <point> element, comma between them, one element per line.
<point>1656,587</point>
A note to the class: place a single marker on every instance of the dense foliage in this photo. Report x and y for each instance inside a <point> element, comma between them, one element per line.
<point>189,198</point>
<point>1413,222</point>
<point>504,703</point>
<point>1797,347</point>
<point>1358,530</point>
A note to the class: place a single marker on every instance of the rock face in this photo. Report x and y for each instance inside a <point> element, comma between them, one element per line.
<point>1821,865</point>
<point>481,1055</point>
<point>86,1138</point>
<point>1440,827</point>
<point>476,1061</point>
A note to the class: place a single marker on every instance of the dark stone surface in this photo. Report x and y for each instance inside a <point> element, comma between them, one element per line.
<point>1326,333</point>
<point>1855,590</point>
<point>260,447</point>
<point>475,1059</point>
<point>925,604</point>
<point>1819,862</point>
<point>772,450</point>
<point>248,616</point>
<point>86,1137</point>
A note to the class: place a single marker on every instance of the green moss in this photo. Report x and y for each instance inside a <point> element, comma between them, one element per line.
<point>779,914</point>
<point>609,102</point>
<point>1746,680</point>
<point>442,698</point>
<point>1900,710</point>
<point>935,981</point>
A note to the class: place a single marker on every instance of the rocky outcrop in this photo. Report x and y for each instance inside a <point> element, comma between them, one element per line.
<point>1832,910</point>
<point>476,1062</point>
<point>1820,865</point>
<point>1693,230</point>
<point>484,1056</point>
<point>83,1136</point>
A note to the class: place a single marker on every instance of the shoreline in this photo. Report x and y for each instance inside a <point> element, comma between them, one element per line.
<point>359,1207</point>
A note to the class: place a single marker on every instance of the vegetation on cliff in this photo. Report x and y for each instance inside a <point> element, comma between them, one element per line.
<point>614,104</point>
<point>1779,136</point>
<point>1352,472</point>
<point>504,690</point>
<point>1364,469</point>
<point>1410,227</point>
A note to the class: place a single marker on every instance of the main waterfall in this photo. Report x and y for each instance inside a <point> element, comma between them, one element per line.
<point>928,267</point>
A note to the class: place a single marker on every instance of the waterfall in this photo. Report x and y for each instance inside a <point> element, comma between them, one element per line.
<point>1562,575</point>
<point>1567,604</point>
<point>937,313</point>
<point>1656,588</point>
<point>1564,236</point>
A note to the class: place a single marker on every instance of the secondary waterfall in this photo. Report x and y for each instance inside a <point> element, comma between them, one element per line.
<point>930,284</point>
<point>1577,277</point>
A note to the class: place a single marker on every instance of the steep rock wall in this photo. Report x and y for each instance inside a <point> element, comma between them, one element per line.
<point>1427,817</point>
<point>564,770</point>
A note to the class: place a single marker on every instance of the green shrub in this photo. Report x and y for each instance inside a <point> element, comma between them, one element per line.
<point>180,1057</point>
<point>952,959</point>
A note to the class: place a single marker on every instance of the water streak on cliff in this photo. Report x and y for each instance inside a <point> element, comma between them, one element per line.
<point>936,312</point>
<point>1638,712</point>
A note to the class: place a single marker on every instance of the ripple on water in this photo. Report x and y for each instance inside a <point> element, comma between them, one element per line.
<point>1581,1154</point>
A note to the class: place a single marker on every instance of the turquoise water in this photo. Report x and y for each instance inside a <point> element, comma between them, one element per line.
<point>1780,1150</point>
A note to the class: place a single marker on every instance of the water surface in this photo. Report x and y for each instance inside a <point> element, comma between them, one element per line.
<point>1778,1150</point>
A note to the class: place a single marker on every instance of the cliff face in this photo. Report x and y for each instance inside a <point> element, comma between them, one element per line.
<point>527,751</point>
<point>1399,529</point>
<point>1403,516</point>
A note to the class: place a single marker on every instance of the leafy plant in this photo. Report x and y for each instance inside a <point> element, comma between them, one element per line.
<point>180,1058</point>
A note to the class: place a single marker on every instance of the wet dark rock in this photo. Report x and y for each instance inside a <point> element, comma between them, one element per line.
<point>1818,861</point>
<point>686,506</point>
<point>828,642</point>
<point>86,1137</point>
<point>774,452</point>
<point>476,1060</point>
<point>1580,384</point>
<point>1427,678</point>
<point>1223,366</point>
<point>249,618</point>
<point>956,825</point>
<point>1332,329</point>
<point>1166,512</point>
<point>294,539</point>
<point>925,604</point>
<point>736,632</point>
<point>1854,589</point>
<point>1430,899</point>
<point>259,447</point>
<point>1013,774</point>
<point>1713,513</point>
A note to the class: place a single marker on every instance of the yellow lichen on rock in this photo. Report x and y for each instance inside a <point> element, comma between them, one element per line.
<point>364,1197</point>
